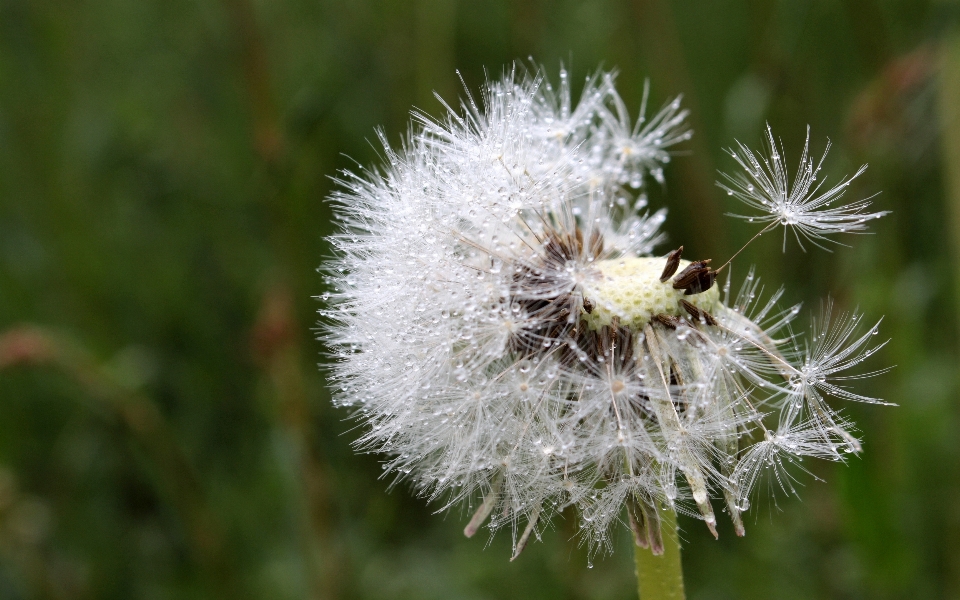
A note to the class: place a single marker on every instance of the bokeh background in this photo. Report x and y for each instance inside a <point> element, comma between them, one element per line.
<point>165,431</point>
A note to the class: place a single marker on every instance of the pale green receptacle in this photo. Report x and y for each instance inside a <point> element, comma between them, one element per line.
<point>630,289</point>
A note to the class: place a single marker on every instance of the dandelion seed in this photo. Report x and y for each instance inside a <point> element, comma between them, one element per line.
<point>803,206</point>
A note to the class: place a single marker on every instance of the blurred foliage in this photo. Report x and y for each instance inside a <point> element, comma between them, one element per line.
<point>164,429</point>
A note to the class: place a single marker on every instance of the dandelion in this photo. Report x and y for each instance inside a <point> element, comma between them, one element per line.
<point>502,326</point>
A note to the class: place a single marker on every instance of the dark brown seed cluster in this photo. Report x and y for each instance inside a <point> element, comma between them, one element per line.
<point>612,344</point>
<point>696,278</point>
<point>698,314</point>
<point>557,317</point>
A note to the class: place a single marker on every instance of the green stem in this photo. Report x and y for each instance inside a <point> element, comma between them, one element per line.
<point>661,577</point>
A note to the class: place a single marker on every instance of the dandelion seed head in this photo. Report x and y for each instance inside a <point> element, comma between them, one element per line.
<point>500,322</point>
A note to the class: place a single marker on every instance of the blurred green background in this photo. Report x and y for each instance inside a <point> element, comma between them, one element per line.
<point>164,429</point>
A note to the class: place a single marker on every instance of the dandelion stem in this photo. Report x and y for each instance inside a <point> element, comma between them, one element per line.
<point>661,577</point>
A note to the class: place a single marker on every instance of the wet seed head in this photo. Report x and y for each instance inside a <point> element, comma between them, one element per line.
<point>501,323</point>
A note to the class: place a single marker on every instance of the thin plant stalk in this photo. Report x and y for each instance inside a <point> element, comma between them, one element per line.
<point>661,577</point>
